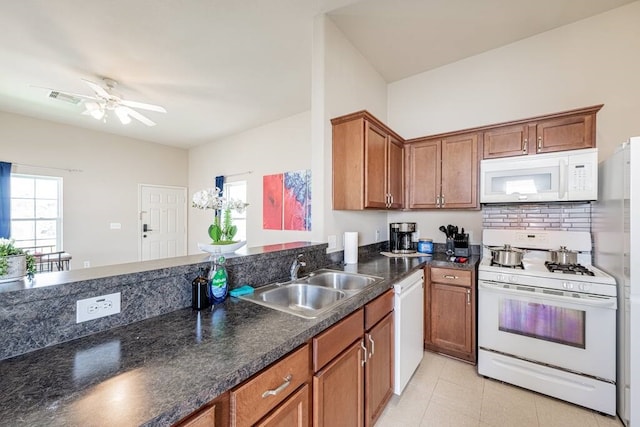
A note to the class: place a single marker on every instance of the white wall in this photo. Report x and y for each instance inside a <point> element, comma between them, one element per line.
<point>105,191</point>
<point>349,84</point>
<point>593,61</point>
<point>280,146</point>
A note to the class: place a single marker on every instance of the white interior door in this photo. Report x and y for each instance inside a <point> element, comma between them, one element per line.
<point>163,226</point>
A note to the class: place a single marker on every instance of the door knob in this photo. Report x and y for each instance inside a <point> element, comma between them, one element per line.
<point>145,228</point>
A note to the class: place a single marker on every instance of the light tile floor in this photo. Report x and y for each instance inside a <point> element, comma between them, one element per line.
<point>447,392</point>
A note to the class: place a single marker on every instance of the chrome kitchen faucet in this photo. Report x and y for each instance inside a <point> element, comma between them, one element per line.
<point>295,266</point>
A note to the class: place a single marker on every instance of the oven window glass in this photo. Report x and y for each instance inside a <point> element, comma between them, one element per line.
<point>542,321</point>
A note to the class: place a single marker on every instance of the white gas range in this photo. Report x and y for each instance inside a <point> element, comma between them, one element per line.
<point>548,328</point>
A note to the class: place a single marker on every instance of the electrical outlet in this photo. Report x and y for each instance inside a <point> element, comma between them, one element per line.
<point>332,242</point>
<point>96,307</point>
<point>377,236</point>
<point>87,264</point>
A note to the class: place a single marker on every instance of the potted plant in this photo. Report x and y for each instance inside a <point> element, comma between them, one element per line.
<point>221,231</point>
<point>15,263</point>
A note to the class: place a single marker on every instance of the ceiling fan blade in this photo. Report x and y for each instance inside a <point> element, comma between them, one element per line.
<point>123,114</point>
<point>133,113</point>
<point>143,106</point>
<point>99,90</point>
<point>94,110</point>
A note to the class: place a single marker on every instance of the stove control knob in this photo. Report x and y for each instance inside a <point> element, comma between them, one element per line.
<point>567,285</point>
<point>513,279</point>
<point>584,287</point>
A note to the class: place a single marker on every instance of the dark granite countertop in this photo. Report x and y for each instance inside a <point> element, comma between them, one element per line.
<point>156,371</point>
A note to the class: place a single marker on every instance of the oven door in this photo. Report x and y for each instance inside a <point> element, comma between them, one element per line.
<point>572,331</point>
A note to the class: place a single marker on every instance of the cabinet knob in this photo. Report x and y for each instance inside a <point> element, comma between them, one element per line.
<point>540,143</point>
<point>468,296</point>
<point>373,346</point>
<point>442,200</point>
<point>449,276</point>
<point>525,146</point>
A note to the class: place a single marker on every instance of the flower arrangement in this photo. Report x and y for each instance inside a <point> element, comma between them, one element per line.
<point>222,231</point>
<point>7,249</point>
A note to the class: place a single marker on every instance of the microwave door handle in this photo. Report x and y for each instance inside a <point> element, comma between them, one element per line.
<point>562,184</point>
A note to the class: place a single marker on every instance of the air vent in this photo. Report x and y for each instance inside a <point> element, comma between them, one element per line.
<point>64,97</point>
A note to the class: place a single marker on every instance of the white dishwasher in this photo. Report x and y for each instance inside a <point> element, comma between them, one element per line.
<point>408,304</point>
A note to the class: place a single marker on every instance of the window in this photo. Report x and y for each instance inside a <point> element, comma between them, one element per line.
<point>237,190</point>
<point>36,211</point>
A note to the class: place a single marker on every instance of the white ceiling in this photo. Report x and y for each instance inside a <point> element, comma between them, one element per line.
<point>223,66</point>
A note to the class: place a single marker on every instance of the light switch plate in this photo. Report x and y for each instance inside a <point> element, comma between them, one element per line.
<point>96,307</point>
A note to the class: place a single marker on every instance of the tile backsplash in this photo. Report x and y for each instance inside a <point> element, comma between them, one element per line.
<point>569,216</point>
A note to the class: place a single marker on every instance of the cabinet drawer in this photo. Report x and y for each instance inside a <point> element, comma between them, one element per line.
<point>451,276</point>
<point>377,309</point>
<point>249,402</point>
<point>334,340</point>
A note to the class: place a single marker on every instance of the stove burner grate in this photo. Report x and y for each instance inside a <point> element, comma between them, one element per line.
<point>578,269</point>
<point>513,267</point>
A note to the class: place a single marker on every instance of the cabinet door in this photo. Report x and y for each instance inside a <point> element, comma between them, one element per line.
<point>348,164</point>
<point>451,321</point>
<point>375,153</point>
<point>338,390</point>
<point>568,133</point>
<point>424,174</point>
<point>216,413</point>
<point>509,141</point>
<point>395,182</point>
<point>294,412</point>
<point>379,369</point>
<point>460,172</point>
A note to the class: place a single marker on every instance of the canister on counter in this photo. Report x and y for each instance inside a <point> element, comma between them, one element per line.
<point>425,246</point>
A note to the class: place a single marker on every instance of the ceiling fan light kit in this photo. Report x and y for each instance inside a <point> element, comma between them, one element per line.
<point>104,100</point>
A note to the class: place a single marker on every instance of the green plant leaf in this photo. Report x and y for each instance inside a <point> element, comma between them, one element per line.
<point>233,229</point>
<point>215,232</point>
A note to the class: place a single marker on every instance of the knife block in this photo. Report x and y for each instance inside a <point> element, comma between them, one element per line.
<point>461,245</point>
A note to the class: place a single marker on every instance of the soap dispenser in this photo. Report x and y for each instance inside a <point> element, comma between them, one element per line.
<point>218,281</point>
<point>200,292</point>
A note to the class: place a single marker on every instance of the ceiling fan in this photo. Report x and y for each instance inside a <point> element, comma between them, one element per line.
<point>105,99</point>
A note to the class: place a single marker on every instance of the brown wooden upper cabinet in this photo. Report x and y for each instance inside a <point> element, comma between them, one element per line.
<point>443,172</point>
<point>569,130</point>
<point>368,168</point>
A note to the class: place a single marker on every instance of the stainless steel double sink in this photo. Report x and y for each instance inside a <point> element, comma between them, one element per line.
<point>314,294</point>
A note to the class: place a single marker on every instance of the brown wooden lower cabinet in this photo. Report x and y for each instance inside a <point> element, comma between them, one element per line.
<point>213,414</point>
<point>379,369</point>
<point>450,301</point>
<point>293,412</point>
<point>353,388</point>
<point>338,390</point>
<point>267,390</point>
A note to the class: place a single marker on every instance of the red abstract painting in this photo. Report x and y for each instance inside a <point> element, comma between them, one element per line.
<point>272,201</point>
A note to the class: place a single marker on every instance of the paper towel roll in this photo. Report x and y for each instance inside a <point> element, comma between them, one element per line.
<point>351,247</point>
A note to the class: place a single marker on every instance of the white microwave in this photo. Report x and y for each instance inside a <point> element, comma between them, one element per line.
<point>551,177</point>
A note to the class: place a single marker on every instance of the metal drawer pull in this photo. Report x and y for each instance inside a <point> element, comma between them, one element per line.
<point>373,346</point>
<point>448,276</point>
<point>285,384</point>
<point>364,360</point>
<point>468,296</point>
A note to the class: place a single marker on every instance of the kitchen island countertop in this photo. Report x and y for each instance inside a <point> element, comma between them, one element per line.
<point>156,371</point>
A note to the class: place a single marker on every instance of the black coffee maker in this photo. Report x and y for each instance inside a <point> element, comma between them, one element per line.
<point>401,237</point>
